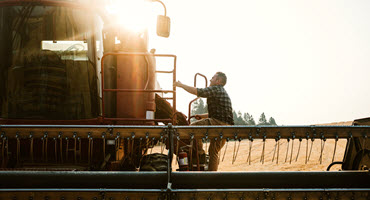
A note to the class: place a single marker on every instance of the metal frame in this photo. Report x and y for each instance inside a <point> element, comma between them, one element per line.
<point>138,90</point>
<point>198,132</point>
<point>195,85</point>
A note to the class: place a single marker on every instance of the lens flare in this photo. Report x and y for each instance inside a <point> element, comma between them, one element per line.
<point>134,15</point>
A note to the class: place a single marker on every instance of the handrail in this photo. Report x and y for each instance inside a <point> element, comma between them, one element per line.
<point>195,85</point>
<point>195,79</point>
<point>137,90</point>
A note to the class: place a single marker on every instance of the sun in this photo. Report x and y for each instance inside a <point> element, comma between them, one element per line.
<point>135,15</point>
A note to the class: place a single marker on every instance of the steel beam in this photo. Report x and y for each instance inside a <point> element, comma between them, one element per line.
<point>186,132</point>
<point>184,181</point>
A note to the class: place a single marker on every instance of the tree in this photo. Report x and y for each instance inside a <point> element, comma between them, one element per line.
<point>272,121</point>
<point>199,107</point>
<point>249,119</point>
<point>235,117</point>
<point>238,119</point>
<point>262,120</point>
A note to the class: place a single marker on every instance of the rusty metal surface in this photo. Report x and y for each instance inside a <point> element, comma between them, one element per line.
<point>279,132</point>
<point>82,195</point>
<point>186,132</point>
<point>93,121</point>
<point>127,195</point>
<point>95,131</point>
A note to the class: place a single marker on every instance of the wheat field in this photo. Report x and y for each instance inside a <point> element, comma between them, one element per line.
<point>288,161</point>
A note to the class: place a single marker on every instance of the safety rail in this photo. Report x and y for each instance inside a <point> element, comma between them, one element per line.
<point>195,85</point>
<point>145,90</point>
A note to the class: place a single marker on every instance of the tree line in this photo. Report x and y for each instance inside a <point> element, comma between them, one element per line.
<point>199,107</point>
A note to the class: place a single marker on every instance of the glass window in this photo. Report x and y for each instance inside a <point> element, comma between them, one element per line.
<point>48,68</point>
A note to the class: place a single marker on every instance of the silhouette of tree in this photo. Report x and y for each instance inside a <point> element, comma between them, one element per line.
<point>272,121</point>
<point>262,120</point>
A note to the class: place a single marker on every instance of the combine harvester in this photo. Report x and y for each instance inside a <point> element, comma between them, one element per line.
<point>80,115</point>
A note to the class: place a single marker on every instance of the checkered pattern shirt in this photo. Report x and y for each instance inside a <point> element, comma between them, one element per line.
<point>219,103</point>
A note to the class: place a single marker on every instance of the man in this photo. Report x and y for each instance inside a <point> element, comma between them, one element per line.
<point>220,112</point>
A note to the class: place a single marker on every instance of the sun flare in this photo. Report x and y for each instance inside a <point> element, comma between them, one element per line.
<point>134,15</point>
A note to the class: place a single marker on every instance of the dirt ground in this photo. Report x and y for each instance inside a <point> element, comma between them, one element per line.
<point>288,161</point>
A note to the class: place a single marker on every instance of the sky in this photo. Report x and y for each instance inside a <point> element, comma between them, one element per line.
<point>301,62</point>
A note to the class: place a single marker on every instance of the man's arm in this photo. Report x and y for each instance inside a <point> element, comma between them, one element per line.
<point>191,90</point>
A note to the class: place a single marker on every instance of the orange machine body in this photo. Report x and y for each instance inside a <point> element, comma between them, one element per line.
<point>135,73</point>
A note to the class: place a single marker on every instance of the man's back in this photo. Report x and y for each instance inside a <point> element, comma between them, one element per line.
<point>219,103</point>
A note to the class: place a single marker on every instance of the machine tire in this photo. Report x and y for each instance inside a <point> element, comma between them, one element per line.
<point>154,162</point>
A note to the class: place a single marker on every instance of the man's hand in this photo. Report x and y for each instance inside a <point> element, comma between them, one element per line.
<point>197,117</point>
<point>190,89</point>
<point>177,84</point>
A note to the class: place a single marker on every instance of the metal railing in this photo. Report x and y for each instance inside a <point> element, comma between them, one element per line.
<point>145,90</point>
<point>195,85</point>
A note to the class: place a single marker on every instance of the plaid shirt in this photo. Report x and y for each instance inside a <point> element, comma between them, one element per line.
<point>219,103</point>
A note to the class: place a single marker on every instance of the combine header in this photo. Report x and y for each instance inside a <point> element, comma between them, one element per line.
<point>83,182</point>
<point>80,115</point>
